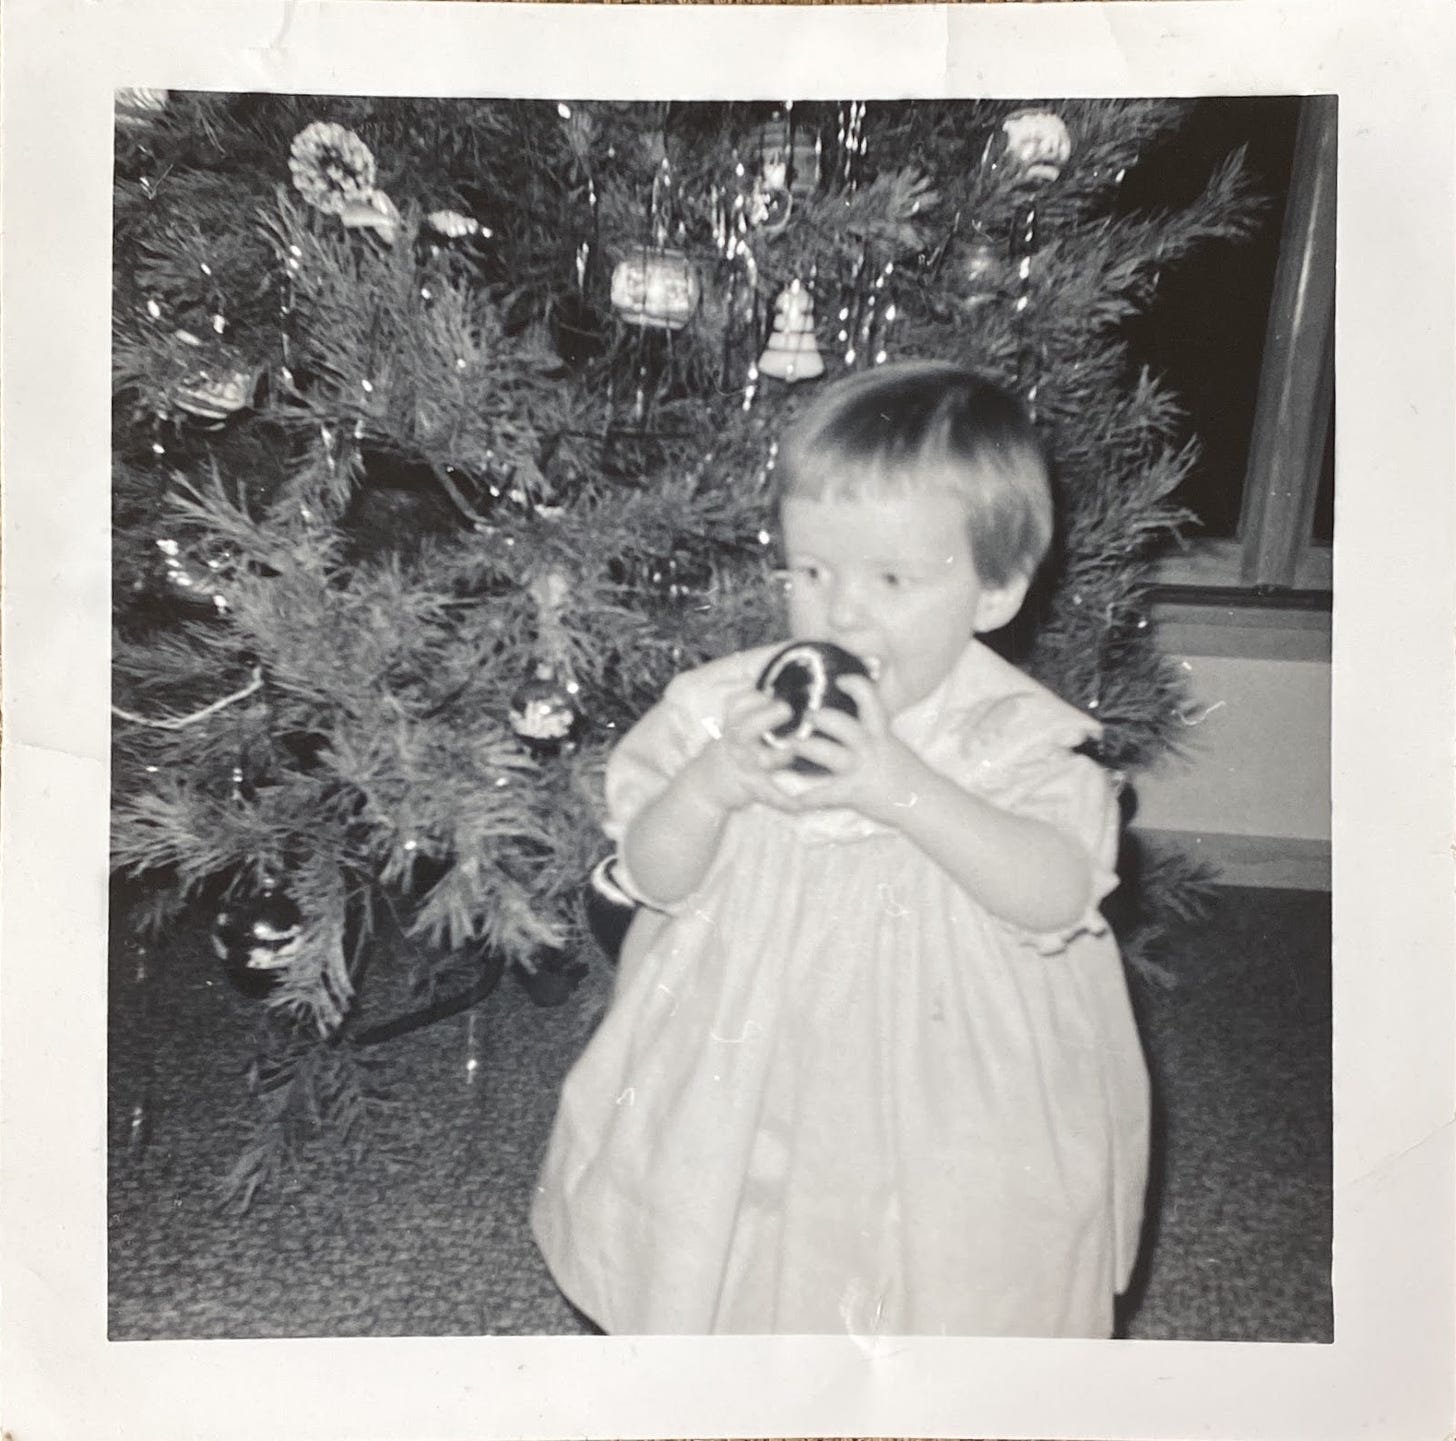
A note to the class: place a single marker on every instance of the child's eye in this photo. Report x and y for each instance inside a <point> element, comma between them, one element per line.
<point>892,580</point>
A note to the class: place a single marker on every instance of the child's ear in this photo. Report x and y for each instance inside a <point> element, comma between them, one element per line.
<point>999,604</point>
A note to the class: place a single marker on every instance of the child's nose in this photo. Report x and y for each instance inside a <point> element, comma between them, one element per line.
<point>846,605</point>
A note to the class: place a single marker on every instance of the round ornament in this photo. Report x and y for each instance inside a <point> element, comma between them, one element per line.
<point>769,206</point>
<point>656,288</point>
<point>545,716</point>
<point>1038,144</point>
<point>806,674</point>
<point>331,166</point>
<point>609,909</point>
<point>549,977</point>
<point>257,937</point>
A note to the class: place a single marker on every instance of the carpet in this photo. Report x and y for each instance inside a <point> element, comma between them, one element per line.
<point>424,1233</point>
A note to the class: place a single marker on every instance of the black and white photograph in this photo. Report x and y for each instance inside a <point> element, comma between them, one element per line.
<point>717,720</point>
<point>491,481</point>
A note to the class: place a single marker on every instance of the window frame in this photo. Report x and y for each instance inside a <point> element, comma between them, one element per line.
<point>1274,551</point>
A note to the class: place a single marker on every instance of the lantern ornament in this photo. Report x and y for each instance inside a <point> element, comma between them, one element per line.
<point>656,287</point>
<point>790,157</point>
<point>980,264</point>
<point>792,353</point>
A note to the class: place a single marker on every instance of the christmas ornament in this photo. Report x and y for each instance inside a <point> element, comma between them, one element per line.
<point>195,577</point>
<point>544,714</point>
<point>548,978</point>
<point>452,225</point>
<point>790,155</point>
<point>331,167</point>
<point>792,352</point>
<point>136,105</point>
<point>209,397</point>
<point>451,236</point>
<point>256,937</point>
<point>1038,144</point>
<point>981,264</point>
<point>656,288</point>
<point>806,675</point>
<point>769,207</point>
<point>609,909</point>
<point>374,211</point>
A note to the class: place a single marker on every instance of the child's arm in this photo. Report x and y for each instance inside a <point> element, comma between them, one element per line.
<point>671,842</point>
<point>1021,869</point>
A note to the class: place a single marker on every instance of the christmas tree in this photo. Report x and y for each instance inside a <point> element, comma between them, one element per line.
<point>443,434</point>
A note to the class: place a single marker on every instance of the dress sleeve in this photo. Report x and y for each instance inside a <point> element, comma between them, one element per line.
<point>646,759</point>
<point>1025,761</point>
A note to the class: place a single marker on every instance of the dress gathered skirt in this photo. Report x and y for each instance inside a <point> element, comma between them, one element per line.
<point>832,1094</point>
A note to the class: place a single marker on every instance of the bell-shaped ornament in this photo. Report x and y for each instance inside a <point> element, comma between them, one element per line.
<point>792,353</point>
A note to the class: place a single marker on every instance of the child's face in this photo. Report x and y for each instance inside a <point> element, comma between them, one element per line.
<point>891,579</point>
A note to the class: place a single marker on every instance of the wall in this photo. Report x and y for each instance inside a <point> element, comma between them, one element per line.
<point>1251,791</point>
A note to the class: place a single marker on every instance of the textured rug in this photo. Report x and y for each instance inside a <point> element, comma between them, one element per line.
<point>425,1233</point>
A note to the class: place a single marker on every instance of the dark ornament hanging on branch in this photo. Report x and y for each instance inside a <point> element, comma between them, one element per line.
<point>544,715</point>
<point>608,908</point>
<point>257,936</point>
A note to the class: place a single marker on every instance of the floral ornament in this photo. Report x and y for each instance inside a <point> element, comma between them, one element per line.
<point>331,167</point>
<point>1037,143</point>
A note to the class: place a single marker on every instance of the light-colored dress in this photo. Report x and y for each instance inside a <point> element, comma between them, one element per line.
<point>832,1094</point>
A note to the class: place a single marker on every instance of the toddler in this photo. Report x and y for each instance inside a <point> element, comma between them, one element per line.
<point>870,1064</point>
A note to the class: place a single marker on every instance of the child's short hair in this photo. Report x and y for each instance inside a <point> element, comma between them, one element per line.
<point>929,425</point>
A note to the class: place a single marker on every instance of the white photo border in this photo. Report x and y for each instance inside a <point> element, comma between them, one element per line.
<point>1389,1369</point>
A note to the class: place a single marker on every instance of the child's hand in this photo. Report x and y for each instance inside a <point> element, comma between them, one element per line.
<point>737,768</point>
<point>871,770</point>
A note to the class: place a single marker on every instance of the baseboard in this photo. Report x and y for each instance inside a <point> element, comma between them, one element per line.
<point>1280,862</point>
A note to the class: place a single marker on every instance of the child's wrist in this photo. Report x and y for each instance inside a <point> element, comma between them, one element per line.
<point>907,784</point>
